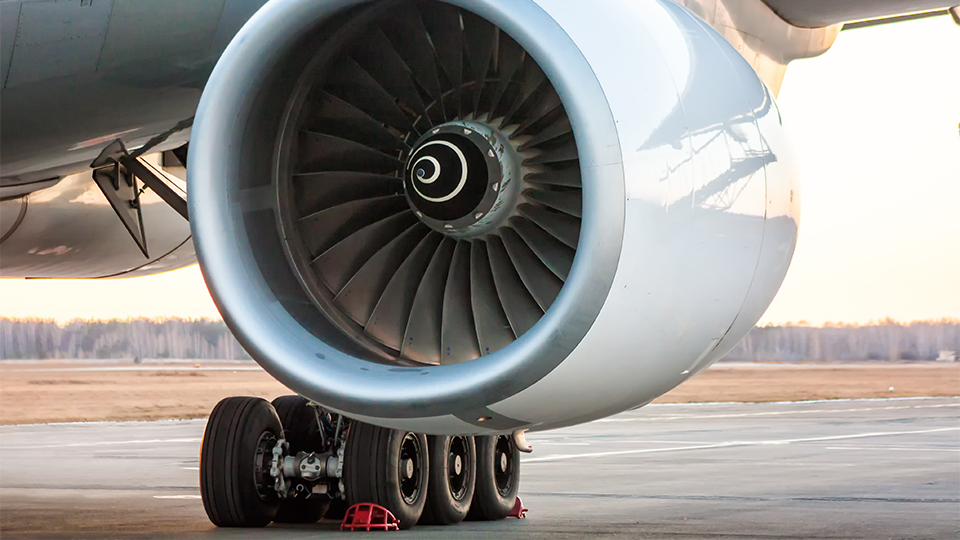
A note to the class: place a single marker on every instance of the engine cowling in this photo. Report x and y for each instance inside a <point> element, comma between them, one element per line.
<point>476,216</point>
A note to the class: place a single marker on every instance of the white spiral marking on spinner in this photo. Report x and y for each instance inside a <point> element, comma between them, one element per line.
<point>436,169</point>
<point>463,175</point>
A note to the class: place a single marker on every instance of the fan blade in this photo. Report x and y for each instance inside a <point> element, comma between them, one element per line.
<point>521,86</point>
<point>546,112</point>
<point>552,252</point>
<point>354,85</point>
<point>408,36</point>
<point>519,306</point>
<point>314,192</point>
<point>468,90</point>
<point>493,328</point>
<point>563,227</point>
<point>421,341</point>
<point>338,264</point>
<point>389,319</point>
<point>568,202</point>
<point>561,126</point>
<point>319,152</point>
<point>481,38</point>
<point>458,334</point>
<point>566,151</point>
<point>359,297</point>
<point>321,230</point>
<point>443,24</point>
<point>376,56</point>
<point>543,285</point>
<point>509,58</point>
<point>568,177</point>
<point>531,82</point>
<point>331,115</point>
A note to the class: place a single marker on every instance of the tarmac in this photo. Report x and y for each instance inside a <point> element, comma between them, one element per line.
<point>832,469</point>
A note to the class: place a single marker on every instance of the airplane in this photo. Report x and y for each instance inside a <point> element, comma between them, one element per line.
<point>441,223</point>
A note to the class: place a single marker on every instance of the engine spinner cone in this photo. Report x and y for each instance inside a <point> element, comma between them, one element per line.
<point>463,178</point>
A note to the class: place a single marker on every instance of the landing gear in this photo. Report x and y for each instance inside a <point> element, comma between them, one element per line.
<point>252,471</point>
<point>291,461</point>
<point>302,429</point>
<point>453,472</point>
<point>387,467</point>
<point>235,460</point>
<point>498,478</point>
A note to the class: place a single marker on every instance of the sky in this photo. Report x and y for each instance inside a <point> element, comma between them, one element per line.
<point>876,124</point>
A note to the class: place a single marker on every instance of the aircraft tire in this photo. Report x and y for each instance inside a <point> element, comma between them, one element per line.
<point>301,431</point>
<point>498,478</point>
<point>387,467</point>
<point>453,474</point>
<point>236,490</point>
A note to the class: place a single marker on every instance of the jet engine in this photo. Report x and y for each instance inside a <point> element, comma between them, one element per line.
<point>480,216</point>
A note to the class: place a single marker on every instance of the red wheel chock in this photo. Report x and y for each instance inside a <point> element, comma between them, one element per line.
<point>518,511</point>
<point>369,517</point>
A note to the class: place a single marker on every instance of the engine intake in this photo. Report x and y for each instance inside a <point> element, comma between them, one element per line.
<point>456,216</point>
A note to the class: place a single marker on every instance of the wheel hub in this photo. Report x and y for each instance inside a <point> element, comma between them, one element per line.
<point>411,456</point>
<point>457,475</point>
<point>504,463</point>
<point>263,456</point>
<point>462,178</point>
<point>407,468</point>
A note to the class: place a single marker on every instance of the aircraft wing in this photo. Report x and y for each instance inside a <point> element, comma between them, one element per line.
<point>770,34</point>
<point>817,13</point>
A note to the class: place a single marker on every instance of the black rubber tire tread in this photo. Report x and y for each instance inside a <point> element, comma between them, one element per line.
<point>299,424</point>
<point>361,467</point>
<point>370,472</point>
<point>356,454</point>
<point>301,431</point>
<point>349,458</point>
<point>488,504</point>
<point>441,507</point>
<point>227,485</point>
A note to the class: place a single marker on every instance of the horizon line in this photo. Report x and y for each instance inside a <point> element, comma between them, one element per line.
<point>789,324</point>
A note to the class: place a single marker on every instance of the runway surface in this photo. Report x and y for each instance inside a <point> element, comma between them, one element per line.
<point>836,469</point>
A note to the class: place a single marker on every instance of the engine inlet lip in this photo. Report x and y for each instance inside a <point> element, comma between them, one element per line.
<point>322,372</point>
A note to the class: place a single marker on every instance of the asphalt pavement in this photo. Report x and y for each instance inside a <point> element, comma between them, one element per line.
<point>834,469</point>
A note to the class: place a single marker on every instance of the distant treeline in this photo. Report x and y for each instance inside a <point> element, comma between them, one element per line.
<point>137,338</point>
<point>206,339</point>
<point>887,340</point>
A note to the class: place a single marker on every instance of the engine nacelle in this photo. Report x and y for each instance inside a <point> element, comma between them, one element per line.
<point>477,216</point>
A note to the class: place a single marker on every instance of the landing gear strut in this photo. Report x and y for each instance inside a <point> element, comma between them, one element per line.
<point>290,461</point>
<point>303,430</point>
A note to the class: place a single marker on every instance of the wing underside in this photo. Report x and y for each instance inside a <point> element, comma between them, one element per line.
<point>818,13</point>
